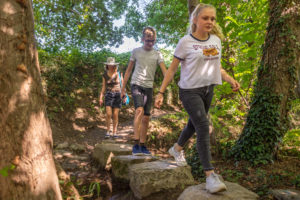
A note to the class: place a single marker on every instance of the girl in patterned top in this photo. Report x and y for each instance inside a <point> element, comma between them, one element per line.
<point>112,95</point>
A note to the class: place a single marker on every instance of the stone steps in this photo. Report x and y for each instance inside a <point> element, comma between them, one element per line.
<point>153,178</point>
<point>121,165</point>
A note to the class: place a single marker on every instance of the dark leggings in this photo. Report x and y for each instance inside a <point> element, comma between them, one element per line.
<point>196,103</point>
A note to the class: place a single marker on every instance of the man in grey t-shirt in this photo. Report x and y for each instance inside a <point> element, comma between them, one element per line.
<point>146,60</point>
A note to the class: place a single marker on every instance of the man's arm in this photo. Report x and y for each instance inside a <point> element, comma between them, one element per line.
<point>163,68</point>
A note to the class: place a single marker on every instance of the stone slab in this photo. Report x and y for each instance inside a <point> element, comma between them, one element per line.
<point>158,176</point>
<point>234,192</point>
<point>121,164</point>
<point>104,152</point>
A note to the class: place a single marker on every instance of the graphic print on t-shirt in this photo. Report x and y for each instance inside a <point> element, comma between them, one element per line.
<point>210,52</point>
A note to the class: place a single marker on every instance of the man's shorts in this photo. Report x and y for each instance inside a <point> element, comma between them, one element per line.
<point>142,97</point>
<point>113,99</point>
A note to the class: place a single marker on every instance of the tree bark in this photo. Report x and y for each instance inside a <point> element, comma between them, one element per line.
<point>267,121</point>
<point>192,5</point>
<point>25,133</point>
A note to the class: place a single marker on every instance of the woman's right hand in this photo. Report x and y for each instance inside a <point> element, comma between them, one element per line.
<point>100,102</point>
<point>158,100</point>
<point>122,93</point>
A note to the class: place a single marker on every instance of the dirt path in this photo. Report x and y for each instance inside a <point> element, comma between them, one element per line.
<point>73,153</point>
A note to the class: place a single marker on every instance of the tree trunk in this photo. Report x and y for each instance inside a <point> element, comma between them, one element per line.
<point>267,121</point>
<point>25,137</point>
<point>192,5</point>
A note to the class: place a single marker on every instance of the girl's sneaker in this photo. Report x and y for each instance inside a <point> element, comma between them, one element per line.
<point>179,157</point>
<point>213,184</point>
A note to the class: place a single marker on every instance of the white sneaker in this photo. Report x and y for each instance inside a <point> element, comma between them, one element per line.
<point>107,134</point>
<point>213,184</point>
<point>179,157</point>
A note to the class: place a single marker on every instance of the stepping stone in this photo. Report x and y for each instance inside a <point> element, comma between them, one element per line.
<point>104,152</point>
<point>159,176</point>
<point>234,192</point>
<point>121,164</point>
<point>117,140</point>
<point>288,194</point>
<point>108,141</point>
<point>79,148</point>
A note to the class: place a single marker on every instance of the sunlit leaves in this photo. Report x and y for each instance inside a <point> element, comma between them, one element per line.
<point>82,24</point>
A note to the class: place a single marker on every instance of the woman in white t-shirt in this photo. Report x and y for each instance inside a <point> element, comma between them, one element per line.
<point>200,56</point>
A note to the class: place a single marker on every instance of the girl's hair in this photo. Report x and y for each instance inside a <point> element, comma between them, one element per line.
<point>147,32</point>
<point>217,30</point>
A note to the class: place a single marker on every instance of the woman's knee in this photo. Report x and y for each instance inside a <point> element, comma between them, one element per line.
<point>116,114</point>
<point>108,113</point>
<point>146,119</point>
<point>139,111</point>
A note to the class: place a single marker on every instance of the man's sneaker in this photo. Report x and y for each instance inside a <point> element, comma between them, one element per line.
<point>179,157</point>
<point>213,184</point>
<point>136,150</point>
<point>107,134</point>
<point>145,151</point>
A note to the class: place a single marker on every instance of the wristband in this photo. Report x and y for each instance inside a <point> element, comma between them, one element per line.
<point>161,92</point>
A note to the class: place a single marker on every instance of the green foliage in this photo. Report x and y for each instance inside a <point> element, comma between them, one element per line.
<point>267,121</point>
<point>262,131</point>
<point>292,138</point>
<point>296,181</point>
<point>70,74</point>
<point>94,186</point>
<point>4,171</point>
<point>82,24</point>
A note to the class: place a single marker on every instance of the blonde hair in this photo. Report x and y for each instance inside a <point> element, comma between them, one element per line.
<point>217,30</point>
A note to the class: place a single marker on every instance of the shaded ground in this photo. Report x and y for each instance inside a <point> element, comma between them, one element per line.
<point>74,142</point>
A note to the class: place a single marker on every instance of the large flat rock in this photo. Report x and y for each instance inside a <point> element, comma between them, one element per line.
<point>121,164</point>
<point>104,152</point>
<point>158,177</point>
<point>234,192</point>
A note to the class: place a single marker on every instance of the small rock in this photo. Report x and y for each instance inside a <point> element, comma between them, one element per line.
<point>286,194</point>
<point>77,148</point>
<point>64,145</point>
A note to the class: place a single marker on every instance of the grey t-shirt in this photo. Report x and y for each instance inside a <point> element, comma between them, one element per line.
<point>145,66</point>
